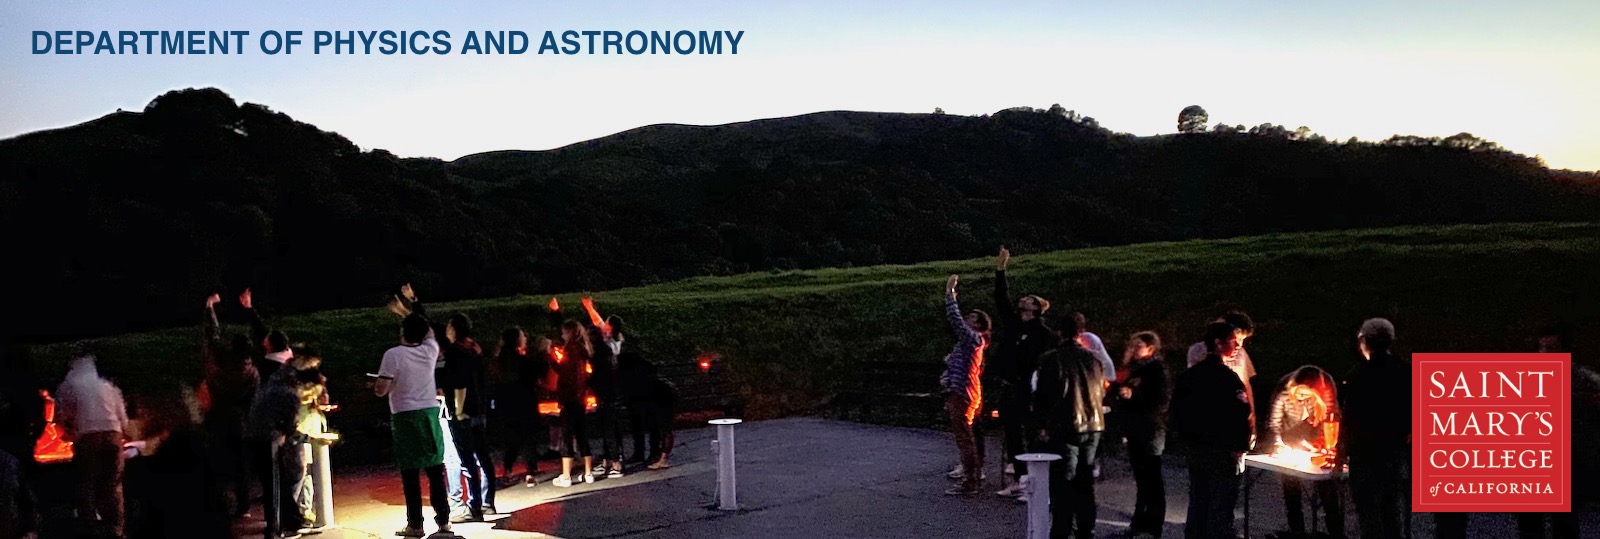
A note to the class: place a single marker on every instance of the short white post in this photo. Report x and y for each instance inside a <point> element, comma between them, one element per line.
<point>322,479</point>
<point>727,480</point>
<point>1037,490</point>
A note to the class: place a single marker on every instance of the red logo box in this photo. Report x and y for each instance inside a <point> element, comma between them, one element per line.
<point>1491,433</point>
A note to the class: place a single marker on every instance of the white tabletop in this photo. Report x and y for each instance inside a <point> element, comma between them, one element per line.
<point>1297,465</point>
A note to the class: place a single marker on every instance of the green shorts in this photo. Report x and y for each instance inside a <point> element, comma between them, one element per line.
<point>418,440</point>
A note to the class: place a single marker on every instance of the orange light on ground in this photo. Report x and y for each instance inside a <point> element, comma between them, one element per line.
<point>50,447</point>
<point>553,408</point>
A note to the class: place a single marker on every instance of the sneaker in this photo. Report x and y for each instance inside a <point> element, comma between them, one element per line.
<point>310,530</point>
<point>963,477</point>
<point>490,510</point>
<point>957,473</point>
<point>528,481</point>
<point>962,490</point>
<point>615,472</point>
<point>599,469</point>
<point>460,518</point>
<point>1011,491</point>
<point>588,478</point>
<point>410,531</point>
<point>561,481</point>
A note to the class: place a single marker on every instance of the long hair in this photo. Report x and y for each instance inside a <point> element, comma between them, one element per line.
<point>505,353</point>
<point>1319,382</point>
<point>580,336</point>
<point>508,342</point>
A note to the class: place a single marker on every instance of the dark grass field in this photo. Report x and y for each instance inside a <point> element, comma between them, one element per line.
<point>795,339</point>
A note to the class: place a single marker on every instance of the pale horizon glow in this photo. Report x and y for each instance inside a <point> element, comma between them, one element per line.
<point>1520,75</point>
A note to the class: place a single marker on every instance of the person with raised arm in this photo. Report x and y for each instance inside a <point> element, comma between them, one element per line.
<point>608,397</point>
<point>963,386</point>
<point>230,385</point>
<point>1020,337</point>
<point>406,379</point>
<point>273,344</point>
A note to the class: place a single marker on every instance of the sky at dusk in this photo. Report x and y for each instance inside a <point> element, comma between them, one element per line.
<point>1522,74</point>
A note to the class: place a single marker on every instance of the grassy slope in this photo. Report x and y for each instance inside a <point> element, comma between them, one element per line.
<point>794,336</point>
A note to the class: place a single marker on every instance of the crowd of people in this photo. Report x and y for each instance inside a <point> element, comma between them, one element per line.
<point>1052,384</point>
<point>441,393</point>
<point>262,398</point>
<point>1057,391</point>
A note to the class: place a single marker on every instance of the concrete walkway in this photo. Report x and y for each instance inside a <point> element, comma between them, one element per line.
<point>798,478</point>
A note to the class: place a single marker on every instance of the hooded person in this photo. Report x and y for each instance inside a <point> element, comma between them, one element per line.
<point>94,417</point>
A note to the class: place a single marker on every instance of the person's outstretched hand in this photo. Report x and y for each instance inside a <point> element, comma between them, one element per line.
<point>1004,258</point>
<point>398,306</point>
<point>244,299</point>
<point>950,285</point>
<point>213,300</point>
<point>408,293</point>
<point>555,305</point>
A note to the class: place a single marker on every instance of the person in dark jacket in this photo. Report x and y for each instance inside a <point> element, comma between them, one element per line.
<point>174,488</point>
<point>1211,411</point>
<point>273,349</point>
<point>22,420</point>
<point>1305,402</point>
<point>1067,404</point>
<point>468,402</point>
<point>521,374</point>
<point>1375,436</point>
<point>573,357</point>
<point>652,402</point>
<point>963,385</point>
<point>271,432</point>
<point>1141,406</point>
<point>231,381</point>
<point>610,409</point>
<point>1020,337</point>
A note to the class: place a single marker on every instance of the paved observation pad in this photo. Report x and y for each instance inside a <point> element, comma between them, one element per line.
<point>798,478</point>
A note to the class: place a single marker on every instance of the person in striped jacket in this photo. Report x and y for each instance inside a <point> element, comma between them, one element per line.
<point>962,386</point>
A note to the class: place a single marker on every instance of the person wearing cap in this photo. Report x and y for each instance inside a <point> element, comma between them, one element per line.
<point>1211,411</point>
<point>1375,438</point>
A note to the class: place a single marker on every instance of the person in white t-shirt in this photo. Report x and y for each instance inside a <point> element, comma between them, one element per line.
<point>406,378</point>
